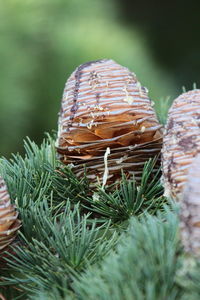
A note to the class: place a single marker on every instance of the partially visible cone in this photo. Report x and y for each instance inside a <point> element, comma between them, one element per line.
<point>106,123</point>
<point>190,210</point>
<point>9,223</point>
<point>181,142</point>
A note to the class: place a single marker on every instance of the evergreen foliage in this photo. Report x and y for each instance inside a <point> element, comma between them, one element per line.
<point>130,198</point>
<point>143,266</point>
<point>78,243</point>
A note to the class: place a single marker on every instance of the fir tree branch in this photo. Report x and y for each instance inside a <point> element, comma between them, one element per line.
<point>65,251</point>
<point>144,265</point>
<point>28,176</point>
<point>130,198</point>
<point>60,246</point>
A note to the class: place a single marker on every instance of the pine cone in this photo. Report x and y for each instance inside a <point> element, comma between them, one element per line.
<point>9,224</point>
<point>181,141</point>
<point>190,210</point>
<point>107,122</point>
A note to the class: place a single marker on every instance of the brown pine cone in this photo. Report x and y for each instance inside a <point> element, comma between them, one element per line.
<point>181,142</point>
<point>190,210</point>
<point>9,223</point>
<point>106,123</point>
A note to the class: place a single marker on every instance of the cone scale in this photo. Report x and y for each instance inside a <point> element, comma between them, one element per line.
<point>106,113</point>
<point>9,223</point>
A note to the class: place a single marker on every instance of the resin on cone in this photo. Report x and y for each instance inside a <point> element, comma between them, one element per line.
<point>106,122</point>
<point>9,223</point>
<point>190,210</point>
<point>181,142</point>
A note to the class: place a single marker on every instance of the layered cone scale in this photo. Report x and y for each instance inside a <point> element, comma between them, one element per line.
<point>106,121</point>
<point>190,210</point>
<point>9,223</point>
<point>181,142</point>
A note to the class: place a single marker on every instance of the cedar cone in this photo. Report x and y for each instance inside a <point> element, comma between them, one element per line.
<point>9,224</point>
<point>106,122</point>
<point>190,210</point>
<point>181,141</point>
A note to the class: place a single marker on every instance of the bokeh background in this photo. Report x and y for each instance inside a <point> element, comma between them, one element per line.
<point>43,41</point>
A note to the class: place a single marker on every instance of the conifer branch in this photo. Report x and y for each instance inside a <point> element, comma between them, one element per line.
<point>130,198</point>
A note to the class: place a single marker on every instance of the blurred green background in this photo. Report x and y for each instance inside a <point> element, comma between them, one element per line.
<point>43,41</point>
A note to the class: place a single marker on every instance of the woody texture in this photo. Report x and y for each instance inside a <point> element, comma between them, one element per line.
<point>190,210</point>
<point>106,122</point>
<point>181,142</point>
<point>9,223</point>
